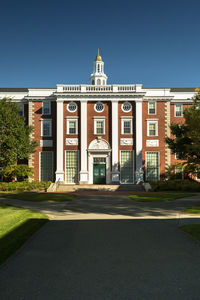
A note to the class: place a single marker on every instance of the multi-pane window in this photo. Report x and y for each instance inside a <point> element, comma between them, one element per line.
<point>152,128</point>
<point>46,166</point>
<point>99,107</point>
<point>152,166</point>
<point>46,107</point>
<point>126,126</point>
<point>126,167</point>
<point>46,127</point>
<point>152,108</point>
<point>178,110</point>
<point>99,126</point>
<point>72,126</point>
<point>21,109</point>
<point>71,166</point>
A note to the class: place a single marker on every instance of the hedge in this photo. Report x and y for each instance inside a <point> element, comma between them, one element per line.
<point>176,185</point>
<point>24,186</point>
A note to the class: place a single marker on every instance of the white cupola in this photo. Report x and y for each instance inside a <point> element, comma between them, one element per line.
<point>98,77</point>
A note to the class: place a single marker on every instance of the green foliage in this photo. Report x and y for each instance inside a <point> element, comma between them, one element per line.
<point>176,185</point>
<point>15,138</point>
<point>186,141</point>
<point>192,229</point>
<point>24,186</point>
<point>40,197</point>
<point>20,172</point>
<point>158,197</point>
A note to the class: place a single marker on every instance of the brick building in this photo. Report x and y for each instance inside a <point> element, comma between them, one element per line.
<point>100,133</point>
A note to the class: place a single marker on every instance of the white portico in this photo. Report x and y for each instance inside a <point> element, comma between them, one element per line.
<point>98,161</point>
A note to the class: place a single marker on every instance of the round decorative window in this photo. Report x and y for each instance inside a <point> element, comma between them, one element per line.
<point>72,107</point>
<point>126,106</point>
<point>99,107</point>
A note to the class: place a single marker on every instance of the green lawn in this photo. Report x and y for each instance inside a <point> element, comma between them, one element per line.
<point>37,197</point>
<point>159,197</point>
<point>192,229</point>
<point>193,210</point>
<point>16,226</point>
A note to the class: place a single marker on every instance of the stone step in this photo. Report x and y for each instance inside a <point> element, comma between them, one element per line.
<point>99,187</point>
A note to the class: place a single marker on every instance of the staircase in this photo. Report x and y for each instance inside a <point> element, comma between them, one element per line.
<point>97,187</point>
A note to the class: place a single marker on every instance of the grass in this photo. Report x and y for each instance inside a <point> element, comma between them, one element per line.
<point>193,230</point>
<point>38,197</point>
<point>193,210</point>
<point>16,226</point>
<point>159,197</point>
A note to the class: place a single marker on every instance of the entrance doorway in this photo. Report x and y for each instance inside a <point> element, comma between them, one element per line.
<point>99,170</point>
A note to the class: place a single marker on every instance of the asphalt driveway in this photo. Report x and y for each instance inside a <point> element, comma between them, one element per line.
<point>119,258</point>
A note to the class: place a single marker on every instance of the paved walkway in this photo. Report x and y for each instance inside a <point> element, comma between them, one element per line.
<point>110,257</point>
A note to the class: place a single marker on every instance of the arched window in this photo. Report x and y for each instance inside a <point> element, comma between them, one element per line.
<point>98,82</point>
<point>92,82</point>
<point>98,68</point>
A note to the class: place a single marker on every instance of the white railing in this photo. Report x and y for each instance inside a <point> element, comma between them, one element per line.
<point>96,88</point>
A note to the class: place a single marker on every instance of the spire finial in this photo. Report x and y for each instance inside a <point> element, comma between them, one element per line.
<point>98,57</point>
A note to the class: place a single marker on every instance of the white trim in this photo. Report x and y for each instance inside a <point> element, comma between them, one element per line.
<point>95,126</point>
<point>152,122</point>
<point>155,107</point>
<point>50,122</point>
<point>59,143</point>
<point>101,153</point>
<point>158,163</point>
<point>133,167</point>
<point>179,104</point>
<point>83,172</point>
<point>122,126</point>
<point>115,143</point>
<point>67,125</point>
<point>139,136</point>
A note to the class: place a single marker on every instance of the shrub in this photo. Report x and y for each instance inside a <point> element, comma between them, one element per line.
<point>24,186</point>
<point>19,172</point>
<point>176,185</point>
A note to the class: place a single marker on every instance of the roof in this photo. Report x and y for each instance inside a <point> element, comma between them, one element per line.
<point>182,90</point>
<point>13,90</point>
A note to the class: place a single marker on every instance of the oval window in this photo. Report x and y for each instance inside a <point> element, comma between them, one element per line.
<point>72,107</point>
<point>126,106</point>
<point>99,107</point>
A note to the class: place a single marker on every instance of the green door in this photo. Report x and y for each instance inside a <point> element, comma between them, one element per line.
<point>99,174</point>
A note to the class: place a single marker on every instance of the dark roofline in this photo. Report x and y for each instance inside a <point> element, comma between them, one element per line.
<point>13,90</point>
<point>182,90</point>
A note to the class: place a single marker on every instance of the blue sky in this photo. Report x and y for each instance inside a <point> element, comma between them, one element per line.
<point>155,43</point>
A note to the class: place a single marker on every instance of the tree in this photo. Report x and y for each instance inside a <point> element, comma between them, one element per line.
<point>186,141</point>
<point>15,141</point>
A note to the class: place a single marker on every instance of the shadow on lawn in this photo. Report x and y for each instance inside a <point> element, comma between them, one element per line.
<point>12,241</point>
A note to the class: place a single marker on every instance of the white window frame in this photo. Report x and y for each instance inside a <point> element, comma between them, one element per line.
<point>70,120</point>
<point>42,124</point>
<point>150,122</point>
<point>95,127</point>
<point>52,153</point>
<point>66,166</point>
<point>73,103</point>
<point>175,105</point>
<point>99,111</point>
<point>149,107</point>
<point>122,107</point>
<point>133,166</point>
<point>49,104</point>
<point>158,163</point>
<point>122,125</point>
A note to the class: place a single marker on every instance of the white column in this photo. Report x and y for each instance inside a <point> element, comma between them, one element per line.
<point>83,171</point>
<point>59,157</point>
<point>115,146</point>
<point>139,172</point>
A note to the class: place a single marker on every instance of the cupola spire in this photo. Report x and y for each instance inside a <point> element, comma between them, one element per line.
<point>98,77</point>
